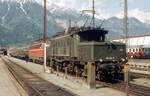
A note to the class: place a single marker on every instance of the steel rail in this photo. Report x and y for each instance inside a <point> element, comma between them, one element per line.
<point>19,80</point>
<point>36,91</point>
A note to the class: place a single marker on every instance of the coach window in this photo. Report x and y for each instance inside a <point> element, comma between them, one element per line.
<point>130,50</point>
<point>133,50</point>
<point>136,50</point>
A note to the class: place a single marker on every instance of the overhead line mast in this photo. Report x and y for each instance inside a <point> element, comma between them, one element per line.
<point>93,14</point>
<point>44,37</point>
<point>44,21</point>
<point>126,24</point>
<point>126,32</point>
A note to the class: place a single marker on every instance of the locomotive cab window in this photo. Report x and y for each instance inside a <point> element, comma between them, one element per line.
<point>93,35</point>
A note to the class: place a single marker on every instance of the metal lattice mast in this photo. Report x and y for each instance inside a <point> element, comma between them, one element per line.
<point>93,15</point>
<point>126,32</point>
<point>126,23</point>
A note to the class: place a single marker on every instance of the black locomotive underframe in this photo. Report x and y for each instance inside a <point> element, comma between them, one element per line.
<point>104,70</point>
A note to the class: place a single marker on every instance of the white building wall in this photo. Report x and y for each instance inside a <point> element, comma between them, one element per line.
<point>136,41</point>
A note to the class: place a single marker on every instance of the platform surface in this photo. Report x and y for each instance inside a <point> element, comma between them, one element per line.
<point>70,85</point>
<point>8,85</point>
<point>140,60</point>
<point>142,81</point>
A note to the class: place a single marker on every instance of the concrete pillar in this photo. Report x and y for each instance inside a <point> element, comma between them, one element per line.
<point>91,75</point>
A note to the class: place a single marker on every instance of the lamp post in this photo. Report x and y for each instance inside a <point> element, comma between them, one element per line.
<point>44,65</point>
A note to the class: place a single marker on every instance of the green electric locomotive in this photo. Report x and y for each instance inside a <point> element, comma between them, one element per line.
<point>75,47</point>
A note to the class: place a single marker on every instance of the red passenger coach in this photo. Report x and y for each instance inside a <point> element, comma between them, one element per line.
<point>36,52</point>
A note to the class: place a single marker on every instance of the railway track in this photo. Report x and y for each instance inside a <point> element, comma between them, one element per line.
<point>141,69</point>
<point>33,84</point>
<point>139,75</point>
<point>133,89</point>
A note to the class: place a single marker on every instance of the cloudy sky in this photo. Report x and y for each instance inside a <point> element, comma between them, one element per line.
<point>109,8</point>
<point>106,8</point>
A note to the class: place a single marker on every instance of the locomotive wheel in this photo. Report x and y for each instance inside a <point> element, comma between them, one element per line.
<point>77,71</point>
<point>60,66</point>
<point>99,76</point>
<point>84,73</point>
<point>54,65</point>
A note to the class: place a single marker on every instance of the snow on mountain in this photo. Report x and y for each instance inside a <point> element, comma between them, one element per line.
<point>24,18</point>
<point>137,13</point>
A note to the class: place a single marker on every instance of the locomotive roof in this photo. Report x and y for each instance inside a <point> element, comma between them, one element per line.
<point>75,30</point>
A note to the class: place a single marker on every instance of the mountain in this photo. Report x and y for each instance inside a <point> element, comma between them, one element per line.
<point>21,22</point>
<point>115,27</point>
<point>24,21</point>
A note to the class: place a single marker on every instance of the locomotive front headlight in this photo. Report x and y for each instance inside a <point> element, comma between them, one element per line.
<point>122,59</point>
<point>101,60</point>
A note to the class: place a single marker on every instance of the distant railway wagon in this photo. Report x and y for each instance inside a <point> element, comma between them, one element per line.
<point>36,52</point>
<point>3,51</point>
<point>138,46</point>
<point>20,53</point>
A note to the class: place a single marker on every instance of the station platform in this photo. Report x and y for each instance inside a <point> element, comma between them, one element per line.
<point>68,84</point>
<point>8,85</point>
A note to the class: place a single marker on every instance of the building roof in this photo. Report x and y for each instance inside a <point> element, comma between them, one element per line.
<point>132,37</point>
